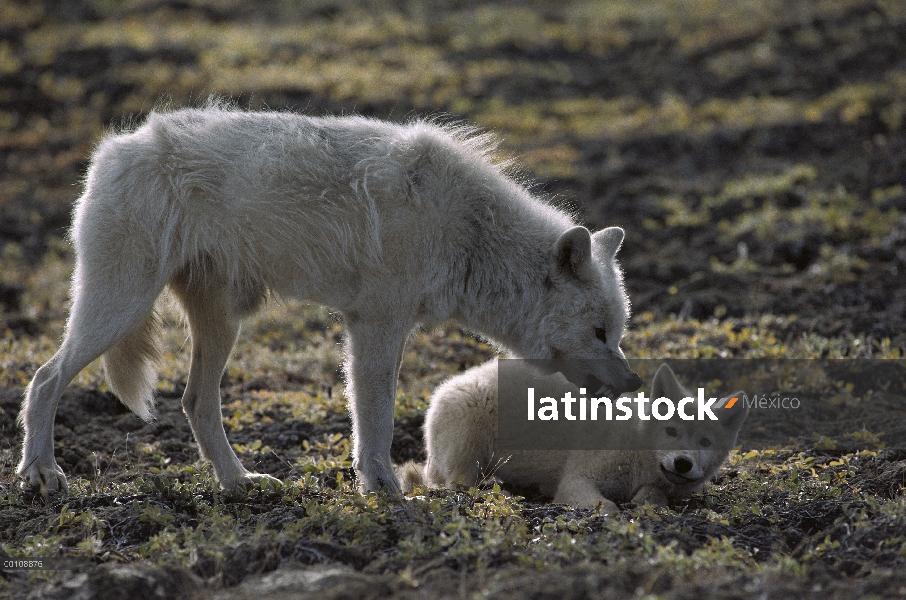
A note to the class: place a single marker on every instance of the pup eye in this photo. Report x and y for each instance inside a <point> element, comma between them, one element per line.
<point>601,334</point>
<point>671,431</point>
<point>705,442</point>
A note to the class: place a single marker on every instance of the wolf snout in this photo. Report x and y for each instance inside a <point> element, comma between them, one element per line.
<point>633,382</point>
<point>629,383</point>
<point>682,465</point>
<point>681,471</point>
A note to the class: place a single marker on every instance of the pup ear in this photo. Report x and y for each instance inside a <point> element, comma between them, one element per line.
<point>607,241</point>
<point>571,255</point>
<point>665,385</point>
<point>731,418</point>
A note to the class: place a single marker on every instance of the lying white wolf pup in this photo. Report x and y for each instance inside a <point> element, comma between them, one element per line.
<point>391,225</point>
<point>461,437</point>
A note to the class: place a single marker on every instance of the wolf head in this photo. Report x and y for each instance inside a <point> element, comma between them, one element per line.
<point>689,452</point>
<point>585,312</point>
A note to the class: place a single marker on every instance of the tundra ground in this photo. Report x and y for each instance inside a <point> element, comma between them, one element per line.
<point>755,153</point>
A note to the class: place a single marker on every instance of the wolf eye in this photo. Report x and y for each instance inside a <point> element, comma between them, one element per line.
<point>601,334</point>
<point>705,442</point>
<point>671,431</point>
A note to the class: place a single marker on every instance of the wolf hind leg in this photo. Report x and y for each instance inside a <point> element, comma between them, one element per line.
<point>213,313</point>
<point>105,309</point>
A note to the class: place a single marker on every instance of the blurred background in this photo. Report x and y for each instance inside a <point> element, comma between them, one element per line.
<point>754,150</point>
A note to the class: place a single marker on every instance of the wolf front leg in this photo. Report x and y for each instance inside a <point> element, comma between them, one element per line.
<point>373,357</point>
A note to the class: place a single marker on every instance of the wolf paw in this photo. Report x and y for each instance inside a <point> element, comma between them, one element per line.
<point>46,477</point>
<point>379,476</point>
<point>250,480</point>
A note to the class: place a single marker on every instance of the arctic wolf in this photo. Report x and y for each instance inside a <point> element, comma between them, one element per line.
<point>389,224</point>
<point>461,438</point>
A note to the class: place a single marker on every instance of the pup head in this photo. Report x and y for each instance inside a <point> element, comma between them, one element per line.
<point>689,452</point>
<point>585,312</point>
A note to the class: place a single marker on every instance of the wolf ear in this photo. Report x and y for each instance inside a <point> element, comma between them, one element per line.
<point>736,413</point>
<point>665,385</point>
<point>571,255</point>
<point>608,241</point>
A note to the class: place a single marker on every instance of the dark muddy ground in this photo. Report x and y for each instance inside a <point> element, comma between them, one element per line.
<point>849,521</point>
<point>756,159</point>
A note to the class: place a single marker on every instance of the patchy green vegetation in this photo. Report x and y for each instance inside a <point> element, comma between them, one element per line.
<point>754,151</point>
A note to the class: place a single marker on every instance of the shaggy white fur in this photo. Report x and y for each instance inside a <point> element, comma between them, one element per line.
<point>390,224</point>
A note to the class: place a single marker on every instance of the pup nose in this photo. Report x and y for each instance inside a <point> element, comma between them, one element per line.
<point>682,465</point>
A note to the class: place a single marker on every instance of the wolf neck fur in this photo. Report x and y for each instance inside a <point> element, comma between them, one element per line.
<point>504,264</point>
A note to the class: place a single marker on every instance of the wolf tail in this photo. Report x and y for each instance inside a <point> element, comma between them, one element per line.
<point>411,475</point>
<point>130,366</point>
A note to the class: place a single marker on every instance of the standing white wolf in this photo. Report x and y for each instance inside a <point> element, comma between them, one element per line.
<point>392,225</point>
<point>667,459</point>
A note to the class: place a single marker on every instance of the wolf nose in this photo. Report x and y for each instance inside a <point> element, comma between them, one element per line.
<point>633,381</point>
<point>682,465</point>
